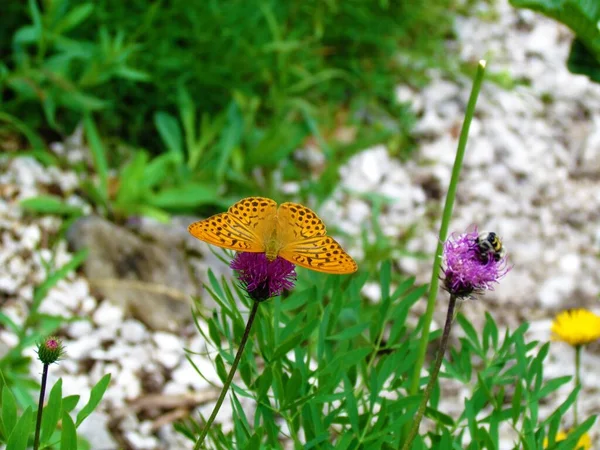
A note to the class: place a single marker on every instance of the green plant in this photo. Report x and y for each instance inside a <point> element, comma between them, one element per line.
<point>328,370</point>
<point>48,79</point>
<point>17,426</point>
<point>14,365</point>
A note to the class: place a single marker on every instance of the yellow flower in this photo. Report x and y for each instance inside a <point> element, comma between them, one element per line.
<point>576,327</point>
<point>584,443</point>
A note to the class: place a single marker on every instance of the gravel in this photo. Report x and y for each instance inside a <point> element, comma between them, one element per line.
<point>532,172</point>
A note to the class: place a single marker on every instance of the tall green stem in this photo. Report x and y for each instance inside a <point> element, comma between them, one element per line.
<point>450,196</point>
<point>577,381</point>
<point>232,371</point>
<point>433,375</point>
<point>38,424</point>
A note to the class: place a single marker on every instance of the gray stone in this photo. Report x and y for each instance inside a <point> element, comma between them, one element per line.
<point>149,280</point>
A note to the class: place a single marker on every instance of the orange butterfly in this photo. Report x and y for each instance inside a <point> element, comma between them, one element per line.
<point>291,231</point>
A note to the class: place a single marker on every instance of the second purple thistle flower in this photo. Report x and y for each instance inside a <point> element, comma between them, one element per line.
<point>473,263</point>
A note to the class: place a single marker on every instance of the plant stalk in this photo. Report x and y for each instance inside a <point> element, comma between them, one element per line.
<point>444,226</point>
<point>38,424</point>
<point>232,371</point>
<point>433,375</point>
<point>577,381</point>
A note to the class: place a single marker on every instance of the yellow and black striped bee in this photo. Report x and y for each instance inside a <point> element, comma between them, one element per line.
<point>489,245</point>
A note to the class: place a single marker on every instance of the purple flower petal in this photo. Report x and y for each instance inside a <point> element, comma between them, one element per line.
<point>465,273</point>
<point>262,278</point>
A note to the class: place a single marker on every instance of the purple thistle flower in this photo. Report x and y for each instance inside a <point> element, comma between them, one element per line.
<point>465,271</point>
<point>262,278</point>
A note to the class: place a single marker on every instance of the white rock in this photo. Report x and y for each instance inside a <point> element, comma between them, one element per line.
<point>186,375</point>
<point>139,441</point>
<point>133,331</point>
<point>556,290</point>
<point>167,341</point>
<point>129,383</point>
<point>95,429</point>
<point>108,314</point>
<point>83,346</point>
<point>79,329</point>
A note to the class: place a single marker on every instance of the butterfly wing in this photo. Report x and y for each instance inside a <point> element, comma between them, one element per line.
<point>243,227</point>
<point>304,241</point>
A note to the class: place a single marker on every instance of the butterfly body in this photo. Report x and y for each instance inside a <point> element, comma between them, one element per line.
<point>290,231</point>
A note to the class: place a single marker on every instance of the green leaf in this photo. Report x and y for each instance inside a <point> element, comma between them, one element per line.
<point>131,186</point>
<point>34,139</point>
<point>95,396</point>
<point>516,401</point>
<point>75,16</point>
<point>170,132</point>
<point>98,154</point>
<point>68,437</point>
<point>52,412</point>
<point>9,411</point>
<point>221,371</point>
<point>49,204</point>
<point>70,402</point>
<point>349,332</point>
<point>21,432</point>
<point>582,61</point>
<point>183,197</point>
<point>230,139</point>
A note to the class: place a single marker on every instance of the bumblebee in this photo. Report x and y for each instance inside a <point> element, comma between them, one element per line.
<point>489,245</point>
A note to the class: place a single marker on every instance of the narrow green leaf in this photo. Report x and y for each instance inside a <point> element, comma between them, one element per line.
<point>76,15</point>
<point>95,396</point>
<point>49,204</point>
<point>170,132</point>
<point>351,406</point>
<point>349,332</point>
<point>20,435</point>
<point>221,371</point>
<point>98,154</point>
<point>187,196</point>
<point>70,402</point>
<point>9,411</point>
<point>516,401</point>
<point>52,412</point>
<point>68,437</point>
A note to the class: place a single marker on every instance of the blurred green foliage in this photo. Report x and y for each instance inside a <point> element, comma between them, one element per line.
<point>126,59</point>
<point>189,99</point>
<point>285,56</point>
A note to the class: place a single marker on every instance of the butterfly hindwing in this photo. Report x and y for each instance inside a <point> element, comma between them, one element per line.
<point>321,253</point>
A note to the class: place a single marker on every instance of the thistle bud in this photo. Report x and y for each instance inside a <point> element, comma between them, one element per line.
<point>50,350</point>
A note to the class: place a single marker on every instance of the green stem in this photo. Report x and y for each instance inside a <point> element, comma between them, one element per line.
<point>577,381</point>
<point>433,374</point>
<point>232,371</point>
<point>38,424</point>
<point>450,196</point>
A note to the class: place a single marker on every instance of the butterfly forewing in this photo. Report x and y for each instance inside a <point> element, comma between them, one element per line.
<point>243,227</point>
<point>296,222</point>
<point>224,231</point>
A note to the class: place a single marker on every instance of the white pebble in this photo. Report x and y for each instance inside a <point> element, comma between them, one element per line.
<point>133,331</point>
<point>108,314</point>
